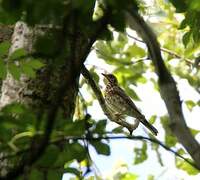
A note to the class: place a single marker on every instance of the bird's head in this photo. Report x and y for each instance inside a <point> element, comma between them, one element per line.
<point>110,78</point>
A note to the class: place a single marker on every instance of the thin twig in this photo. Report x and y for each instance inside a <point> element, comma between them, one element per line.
<point>91,138</point>
<point>153,140</point>
<point>172,53</point>
<point>122,62</point>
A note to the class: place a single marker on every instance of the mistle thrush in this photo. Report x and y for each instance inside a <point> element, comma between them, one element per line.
<point>117,101</point>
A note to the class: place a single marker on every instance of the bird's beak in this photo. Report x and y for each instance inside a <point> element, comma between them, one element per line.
<point>105,75</point>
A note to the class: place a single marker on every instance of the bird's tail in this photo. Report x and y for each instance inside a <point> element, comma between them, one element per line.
<point>149,126</point>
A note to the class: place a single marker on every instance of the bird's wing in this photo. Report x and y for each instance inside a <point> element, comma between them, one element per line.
<point>120,92</point>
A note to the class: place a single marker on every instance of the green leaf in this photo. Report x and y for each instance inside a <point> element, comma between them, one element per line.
<point>150,177</point>
<point>71,152</point>
<point>35,63</point>
<point>36,175</point>
<point>3,69</point>
<point>14,108</point>
<point>73,171</point>
<point>103,49</point>
<point>76,128</point>
<point>129,176</point>
<point>55,174</point>
<point>152,119</point>
<point>4,48</point>
<point>194,131</point>
<point>180,5</point>
<point>183,24</point>
<point>181,164</point>
<point>135,51</point>
<point>118,130</point>
<point>170,140</point>
<point>28,70</point>
<point>78,151</point>
<point>14,71</point>
<point>101,147</point>
<point>100,126</point>
<point>132,94</point>
<point>18,53</point>
<point>186,38</point>
<point>140,154</point>
<point>49,157</point>
<point>142,80</point>
<point>190,104</point>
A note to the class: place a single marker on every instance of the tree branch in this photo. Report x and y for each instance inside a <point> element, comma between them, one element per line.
<point>167,86</point>
<point>89,138</point>
<point>170,52</point>
<point>101,100</point>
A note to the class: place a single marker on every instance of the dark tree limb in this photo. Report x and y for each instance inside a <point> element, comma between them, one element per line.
<point>167,87</point>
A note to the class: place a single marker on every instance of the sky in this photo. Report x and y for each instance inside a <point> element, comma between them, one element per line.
<point>122,150</point>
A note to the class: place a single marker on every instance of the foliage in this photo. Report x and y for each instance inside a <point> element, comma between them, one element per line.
<point>20,125</point>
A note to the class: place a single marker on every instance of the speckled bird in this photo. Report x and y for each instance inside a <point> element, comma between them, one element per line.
<point>120,103</point>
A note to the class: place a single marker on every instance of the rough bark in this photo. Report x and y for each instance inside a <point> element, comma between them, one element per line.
<point>167,87</point>
<point>56,85</point>
<point>43,91</point>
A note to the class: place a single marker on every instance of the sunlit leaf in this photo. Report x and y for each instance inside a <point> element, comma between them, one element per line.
<point>181,164</point>
<point>135,51</point>
<point>194,131</point>
<point>190,104</point>
<point>152,119</point>
<point>150,177</point>
<point>129,176</point>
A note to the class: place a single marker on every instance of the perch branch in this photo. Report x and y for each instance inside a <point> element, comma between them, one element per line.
<point>101,100</point>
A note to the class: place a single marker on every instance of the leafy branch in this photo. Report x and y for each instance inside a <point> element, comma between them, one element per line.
<point>167,85</point>
<point>170,52</point>
<point>103,137</point>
